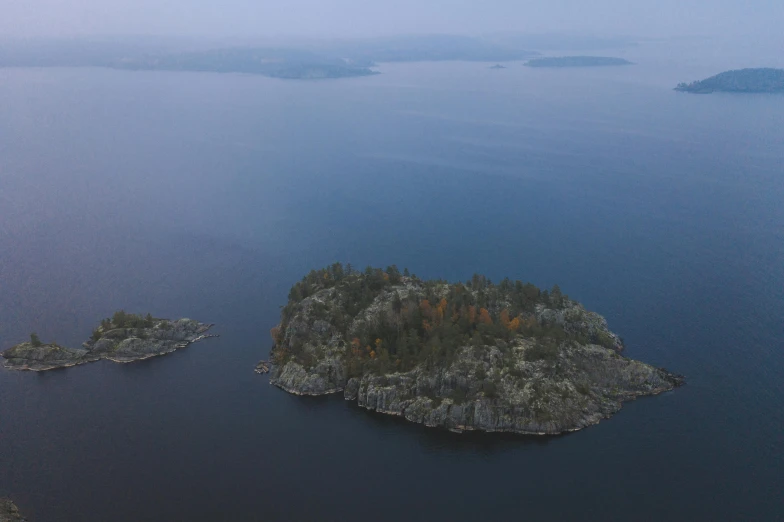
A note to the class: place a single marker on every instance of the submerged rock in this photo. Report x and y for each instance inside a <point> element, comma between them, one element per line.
<point>9,512</point>
<point>488,357</point>
<point>123,345</point>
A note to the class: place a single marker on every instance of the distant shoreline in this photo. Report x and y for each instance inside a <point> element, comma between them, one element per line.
<point>578,61</point>
<point>760,80</point>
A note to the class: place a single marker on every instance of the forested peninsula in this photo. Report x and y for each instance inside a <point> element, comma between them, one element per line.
<point>122,338</point>
<point>477,355</point>
<point>740,81</point>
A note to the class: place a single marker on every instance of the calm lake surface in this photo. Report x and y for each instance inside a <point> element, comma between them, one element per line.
<point>208,196</point>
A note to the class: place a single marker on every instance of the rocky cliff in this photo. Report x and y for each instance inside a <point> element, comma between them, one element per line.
<point>492,392</point>
<point>548,366</point>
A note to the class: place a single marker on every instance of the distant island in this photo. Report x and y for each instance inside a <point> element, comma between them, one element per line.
<point>123,338</point>
<point>9,512</point>
<point>502,357</point>
<point>497,66</point>
<point>313,59</point>
<point>741,80</point>
<point>275,63</point>
<point>577,61</point>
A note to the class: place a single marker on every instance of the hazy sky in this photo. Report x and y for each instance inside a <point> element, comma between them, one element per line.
<point>378,17</point>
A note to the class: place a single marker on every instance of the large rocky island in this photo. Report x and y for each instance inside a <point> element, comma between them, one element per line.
<point>739,81</point>
<point>123,338</point>
<point>463,356</point>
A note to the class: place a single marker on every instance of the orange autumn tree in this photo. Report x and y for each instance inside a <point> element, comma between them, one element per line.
<point>514,324</point>
<point>441,309</point>
<point>505,318</point>
<point>484,316</point>
<point>427,310</point>
<point>471,315</point>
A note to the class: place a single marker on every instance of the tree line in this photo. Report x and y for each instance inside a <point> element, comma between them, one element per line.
<point>425,324</point>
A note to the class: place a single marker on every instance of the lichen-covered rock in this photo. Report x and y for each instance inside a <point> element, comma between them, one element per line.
<point>584,385</point>
<point>26,356</point>
<point>577,320</point>
<point>552,366</point>
<point>115,344</point>
<point>352,389</point>
<point>327,376</point>
<point>9,512</point>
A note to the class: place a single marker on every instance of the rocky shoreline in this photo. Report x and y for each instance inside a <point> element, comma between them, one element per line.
<point>117,344</point>
<point>595,383</point>
<point>525,383</point>
<point>543,407</point>
<point>9,512</point>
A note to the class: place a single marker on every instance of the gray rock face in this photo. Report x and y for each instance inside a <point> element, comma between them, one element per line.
<point>327,376</point>
<point>9,512</point>
<point>577,320</point>
<point>582,386</point>
<point>326,372</point>
<point>119,345</point>
<point>515,386</point>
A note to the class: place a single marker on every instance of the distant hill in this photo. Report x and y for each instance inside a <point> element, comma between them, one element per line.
<point>577,61</point>
<point>742,80</point>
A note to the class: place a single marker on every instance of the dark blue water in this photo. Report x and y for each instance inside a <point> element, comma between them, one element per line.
<point>207,196</point>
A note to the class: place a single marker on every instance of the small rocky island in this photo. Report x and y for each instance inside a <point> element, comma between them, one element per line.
<point>497,66</point>
<point>504,357</point>
<point>9,512</point>
<point>739,81</point>
<point>123,338</point>
<point>577,61</point>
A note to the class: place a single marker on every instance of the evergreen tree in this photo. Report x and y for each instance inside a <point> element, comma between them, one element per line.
<point>119,318</point>
<point>394,274</point>
<point>556,298</point>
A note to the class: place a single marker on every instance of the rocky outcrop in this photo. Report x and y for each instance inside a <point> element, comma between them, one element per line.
<point>508,393</point>
<point>576,320</point>
<point>523,383</point>
<point>9,512</point>
<point>121,345</point>
<point>487,390</point>
<point>324,352</point>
